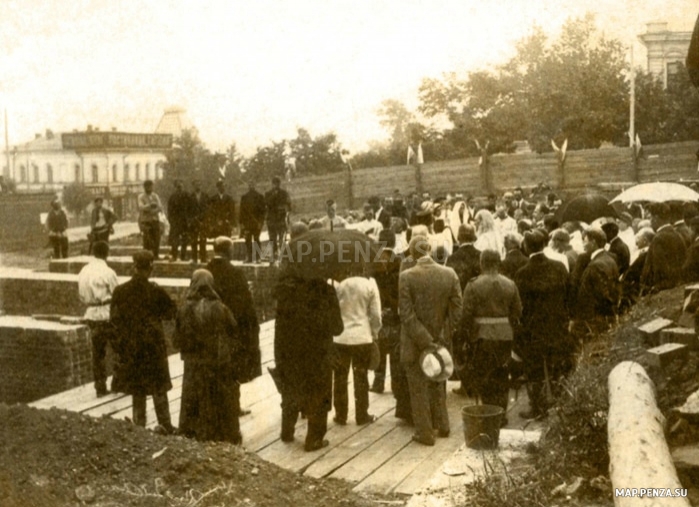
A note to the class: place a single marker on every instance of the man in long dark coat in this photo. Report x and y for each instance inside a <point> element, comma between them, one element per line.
<point>198,222</point>
<point>466,261</point>
<point>252,218</point>
<point>179,210</point>
<point>666,254</point>
<point>278,207</point>
<point>231,285</point>
<point>543,341</point>
<point>308,316</point>
<point>137,311</point>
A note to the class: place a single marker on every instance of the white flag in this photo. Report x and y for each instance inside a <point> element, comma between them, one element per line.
<point>639,147</point>
<point>411,154</point>
<point>420,160</point>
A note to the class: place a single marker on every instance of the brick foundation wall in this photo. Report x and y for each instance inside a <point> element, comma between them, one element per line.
<point>39,358</point>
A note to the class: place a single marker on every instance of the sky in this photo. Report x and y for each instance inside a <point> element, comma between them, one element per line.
<point>252,72</point>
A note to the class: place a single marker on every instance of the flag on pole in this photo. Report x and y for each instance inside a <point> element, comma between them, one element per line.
<point>420,159</point>
<point>411,154</point>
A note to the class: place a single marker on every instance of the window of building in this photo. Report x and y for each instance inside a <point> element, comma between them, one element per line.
<point>49,173</point>
<point>22,173</point>
<point>35,170</point>
<point>148,175</point>
<point>138,172</point>
<point>76,172</point>
<point>95,173</point>
<point>127,172</point>
<point>115,176</point>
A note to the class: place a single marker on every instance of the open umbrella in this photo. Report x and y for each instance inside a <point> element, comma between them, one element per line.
<point>585,208</point>
<point>325,254</point>
<point>661,191</point>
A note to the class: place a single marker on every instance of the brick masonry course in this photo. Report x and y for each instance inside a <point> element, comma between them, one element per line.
<point>39,358</point>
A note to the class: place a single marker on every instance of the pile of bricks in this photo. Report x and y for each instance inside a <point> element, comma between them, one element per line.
<point>39,358</point>
<point>668,341</point>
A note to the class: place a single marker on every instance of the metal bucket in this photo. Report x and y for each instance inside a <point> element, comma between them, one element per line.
<point>482,425</point>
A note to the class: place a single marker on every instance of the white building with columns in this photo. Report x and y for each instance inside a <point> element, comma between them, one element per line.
<point>667,50</point>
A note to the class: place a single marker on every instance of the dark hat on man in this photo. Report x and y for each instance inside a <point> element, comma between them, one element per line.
<point>693,222</point>
<point>143,259</point>
<point>626,217</point>
<point>98,198</point>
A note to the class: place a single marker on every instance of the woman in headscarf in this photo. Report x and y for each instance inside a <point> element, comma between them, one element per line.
<point>488,236</point>
<point>207,337</point>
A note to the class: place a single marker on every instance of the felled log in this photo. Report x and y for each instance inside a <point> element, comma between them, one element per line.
<point>638,453</point>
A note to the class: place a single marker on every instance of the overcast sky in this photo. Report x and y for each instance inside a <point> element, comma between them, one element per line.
<point>254,71</point>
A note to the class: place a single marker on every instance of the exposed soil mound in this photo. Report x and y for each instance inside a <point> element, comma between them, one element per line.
<point>57,458</point>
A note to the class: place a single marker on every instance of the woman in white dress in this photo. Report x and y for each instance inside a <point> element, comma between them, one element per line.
<point>488,235</point>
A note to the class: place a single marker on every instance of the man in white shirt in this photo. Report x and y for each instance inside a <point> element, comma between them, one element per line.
<point>96,283</point>
<point>504,222</point>
<point>370,225</point>
<point>331,221</point>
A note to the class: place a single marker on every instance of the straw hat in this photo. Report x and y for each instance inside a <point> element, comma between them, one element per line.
<point>436,363</point>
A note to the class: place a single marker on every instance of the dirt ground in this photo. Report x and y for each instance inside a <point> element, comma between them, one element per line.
<point>53,458</point>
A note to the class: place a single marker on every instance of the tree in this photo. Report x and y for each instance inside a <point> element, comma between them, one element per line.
<point>319,155</point>
<point>574,87</point>
<point>76,198</point>
<point>268,161</point>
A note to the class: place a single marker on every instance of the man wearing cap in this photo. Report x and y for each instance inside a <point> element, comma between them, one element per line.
<point>252,218</point>
<point>221,212</point>
<point>543,341</point>
<point>149,209</point>
<point>491,310</point>
<point>137,311</point>
<point>96,284</point>
<point>101,222</point>
<point>429,297</point>
<point>278,205</point>
<point>331,221</point>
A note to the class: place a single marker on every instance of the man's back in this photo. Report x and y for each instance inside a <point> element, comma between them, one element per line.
<point>430,306</point>
<point>598,294</point>
<point>96,284</point>
<point>664,261</point>
<point>466,262</point>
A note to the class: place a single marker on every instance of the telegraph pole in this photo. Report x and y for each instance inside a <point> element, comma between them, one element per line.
<point>7,147</point>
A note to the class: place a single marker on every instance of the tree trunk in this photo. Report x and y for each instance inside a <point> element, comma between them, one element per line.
<point>638,453</point>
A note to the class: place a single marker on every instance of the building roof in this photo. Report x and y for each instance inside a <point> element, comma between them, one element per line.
<point>174,121</point>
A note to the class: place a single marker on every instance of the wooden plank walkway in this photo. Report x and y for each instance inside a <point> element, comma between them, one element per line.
<point>378,457</point>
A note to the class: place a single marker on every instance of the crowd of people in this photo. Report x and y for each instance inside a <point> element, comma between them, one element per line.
<point>503,287</point>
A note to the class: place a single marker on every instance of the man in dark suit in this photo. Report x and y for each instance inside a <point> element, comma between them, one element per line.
<point>221,212</point>
<point>382,212</point>
<point>514,257</point>
<point>278,207</point>
<point>666,254</point>
<point>231,285</point>
<point>631,280</point>
<point>598,293</point>
<point>429,299</point>
<point>179,215</point>
<point>543,342</point>
<point>680,224</point>
<point>617,247</point>
<point>199,203</point>
<point>466,260</point>
<point>252,218</point>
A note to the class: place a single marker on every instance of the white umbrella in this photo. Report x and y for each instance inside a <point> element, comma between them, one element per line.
<point>660,191</point>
